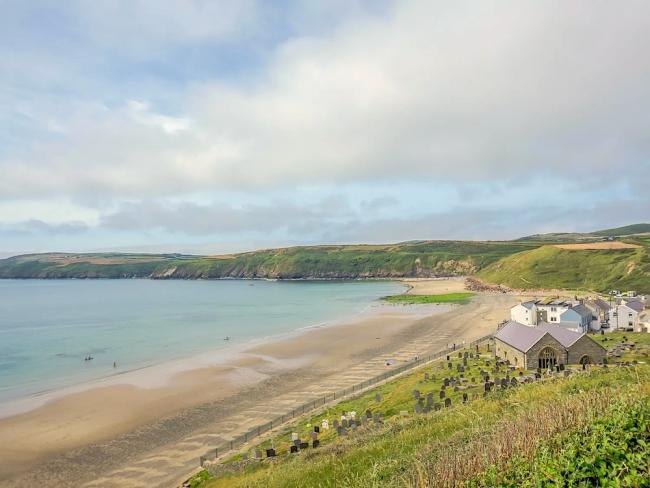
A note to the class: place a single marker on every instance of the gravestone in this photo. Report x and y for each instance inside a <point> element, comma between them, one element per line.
<point>416,394</point>
<point>314,436</point>
<point>538,375</point>
<point>442,394</point>
<point>561,366</point>
<point>294,436</point>
<point>270,453</point>
<point>304,445</point>
<point>487,386</point>
<point>449,365</point>
<point>429,399</point>
<point>316,429</point>
<point>447,402</point>
<point>426,376</point>
<point>418,408</point>
<point>257,454</point>
<point>296,442</point>
<point>377,397</point>
<point>460,354</point>
<point>427,408</point>
<point>293,449</point>
<point>315,443</point>
<point>244,456</point>
<point>344,423</point>
<point>437,406</point>
<point>446,382</point>
<point>325,424</point>
<point>448,357</point>
<point>368,414</point>
<point>513,381</point>
<point>465,398</point>
<point>335,424</point>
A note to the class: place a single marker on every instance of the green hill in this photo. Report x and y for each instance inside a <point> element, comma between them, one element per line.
<point>591,269</point>
<point>524,263</point>
<point>412,259</point>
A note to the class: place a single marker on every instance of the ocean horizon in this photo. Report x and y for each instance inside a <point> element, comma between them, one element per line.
<point>49,327</point>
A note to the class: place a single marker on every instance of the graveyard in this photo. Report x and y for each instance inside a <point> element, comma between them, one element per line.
<point>442,424</point>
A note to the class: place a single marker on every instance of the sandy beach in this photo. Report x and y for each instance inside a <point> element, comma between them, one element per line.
<point>149,427</point>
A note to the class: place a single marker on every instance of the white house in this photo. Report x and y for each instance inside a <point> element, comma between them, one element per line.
<point>572,315</point>
<point>624,317</point>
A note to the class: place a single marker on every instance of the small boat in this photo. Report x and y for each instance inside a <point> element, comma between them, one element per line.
<point>227,338</point>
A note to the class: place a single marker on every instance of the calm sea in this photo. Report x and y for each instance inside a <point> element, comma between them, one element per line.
<point>48,327</point>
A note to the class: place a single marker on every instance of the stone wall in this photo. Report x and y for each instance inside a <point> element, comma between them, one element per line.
<point>547,341</point>
<point>507,352</point>
<point>586,346</point>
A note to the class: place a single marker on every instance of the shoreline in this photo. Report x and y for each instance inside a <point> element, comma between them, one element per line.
<point>205,395</point>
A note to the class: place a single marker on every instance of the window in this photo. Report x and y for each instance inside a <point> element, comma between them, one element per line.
<point>547,358</point>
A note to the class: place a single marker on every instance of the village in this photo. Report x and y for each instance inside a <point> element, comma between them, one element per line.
<point>546,333</point>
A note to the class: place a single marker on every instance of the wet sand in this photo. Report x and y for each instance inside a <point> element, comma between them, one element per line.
<point>127,432</point>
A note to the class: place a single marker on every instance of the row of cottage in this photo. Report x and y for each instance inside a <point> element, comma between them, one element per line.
<point>547,333</point>
<point>583,315</point>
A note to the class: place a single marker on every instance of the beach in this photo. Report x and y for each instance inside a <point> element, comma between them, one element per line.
<point>148,427</point>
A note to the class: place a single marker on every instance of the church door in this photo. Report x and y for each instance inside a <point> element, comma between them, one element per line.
<point>547,358</point>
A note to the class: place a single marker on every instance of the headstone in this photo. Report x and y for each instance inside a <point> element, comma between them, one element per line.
<point>244,456</point>
<point>504,383</point>
<point>465,397</point>
<point>270,453</point>
<point>487,386</point>
<point>437,406</point>
<point>315,443</point>
<point>314,436</point>
<point>325,424</point>
<point>293,449</point>
<point>304,445</point>
<point>344,423</point>
<point>465,355</point>
<point>368,414</point>
<point>416,394</point>
<point>426,376</point>
<point>538,375</point>
<point>456,388</point>
<point>513,381</point>
<point>296,442</point>
<point>446,382</point>
<point>377,397</point>
<point>447,402</point>
<point>449,365</point>
<point>427,408</point>
<point>418,408</point>
<point>294,436</point>
<point>429,399</point>
<point>460,354</point>
<point>442,394</point>
<point>561,366</point>
<point>257,454</point>
<point>335,424</point>
<point>316,429</point>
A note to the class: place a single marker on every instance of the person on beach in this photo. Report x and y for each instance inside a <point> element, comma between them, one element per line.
<point>114,364</point>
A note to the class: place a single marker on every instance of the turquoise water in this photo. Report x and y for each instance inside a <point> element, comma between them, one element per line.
<point>48,327</point>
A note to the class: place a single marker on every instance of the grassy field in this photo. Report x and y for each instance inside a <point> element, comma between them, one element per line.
<point>587,427</point>
<point>454,298</point>
<point>553,267</point>
<point>533,262</point>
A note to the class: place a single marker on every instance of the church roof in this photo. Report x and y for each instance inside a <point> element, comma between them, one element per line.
<point>523,337</point>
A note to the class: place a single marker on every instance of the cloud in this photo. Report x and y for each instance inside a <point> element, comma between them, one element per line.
<point>132,115</point>
<point>40,228</point>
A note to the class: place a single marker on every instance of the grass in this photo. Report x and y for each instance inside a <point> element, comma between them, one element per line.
<point>456,298</point>
<point>481,443</point>
<point>552,267</point>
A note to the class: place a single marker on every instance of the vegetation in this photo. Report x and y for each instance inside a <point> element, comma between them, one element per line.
<point>585,430</point>
<point>455,298</point>
<point>552,267</point>
<point>526,263</point>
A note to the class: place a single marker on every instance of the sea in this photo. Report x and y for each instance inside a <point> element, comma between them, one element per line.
<point>48,328</point>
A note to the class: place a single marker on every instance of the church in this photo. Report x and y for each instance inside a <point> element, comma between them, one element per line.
<point>545,346</point>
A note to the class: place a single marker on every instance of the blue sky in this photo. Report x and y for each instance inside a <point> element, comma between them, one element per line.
<point>219,126</point>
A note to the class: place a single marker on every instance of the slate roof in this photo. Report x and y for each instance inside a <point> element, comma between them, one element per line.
<point>582,310</point>
<point>635,305</point>
<point>529,304</point>
<point>523,337</point>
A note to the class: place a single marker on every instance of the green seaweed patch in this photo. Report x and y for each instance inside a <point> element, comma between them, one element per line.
<point>456,298</point>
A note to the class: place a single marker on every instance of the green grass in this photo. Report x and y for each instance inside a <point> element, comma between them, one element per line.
<point>456,298</point>
<point>459,444</point>
<point>552,267</point>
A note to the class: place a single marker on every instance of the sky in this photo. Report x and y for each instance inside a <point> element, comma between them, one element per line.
<point>218,126</point>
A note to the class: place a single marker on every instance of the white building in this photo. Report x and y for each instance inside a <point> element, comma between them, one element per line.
<point>625,316</point>
<point>572,315</point>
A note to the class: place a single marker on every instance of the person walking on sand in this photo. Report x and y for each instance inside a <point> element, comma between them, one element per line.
<point>115,364</point>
